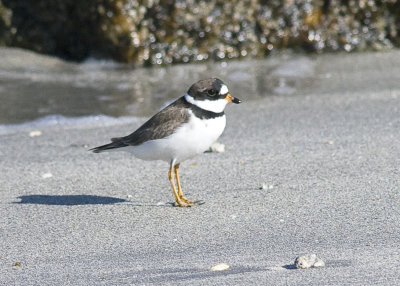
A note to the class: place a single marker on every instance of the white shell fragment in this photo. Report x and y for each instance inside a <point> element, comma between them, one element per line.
<point>217,148</point>
<point>266,187</point>
<point>220,267</point>
<point>47,175</point>
<point>35,133</point>
<point>308,261</point>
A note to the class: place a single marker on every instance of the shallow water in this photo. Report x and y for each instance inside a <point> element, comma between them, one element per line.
<point>47,91</point>
<point>33,86</point>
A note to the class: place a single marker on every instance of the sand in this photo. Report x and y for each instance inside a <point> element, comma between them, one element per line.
<point>328,159</point>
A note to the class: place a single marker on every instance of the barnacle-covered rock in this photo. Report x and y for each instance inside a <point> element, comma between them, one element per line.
<point>5,22</point>
<point>154,32</point>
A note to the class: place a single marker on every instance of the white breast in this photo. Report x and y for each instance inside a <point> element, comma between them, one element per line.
<point>192,138</point>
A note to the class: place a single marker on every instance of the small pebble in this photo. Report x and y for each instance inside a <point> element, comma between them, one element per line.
<point>47,175</point>
<point>308,261</point>
<point>266,187</point>
<point>330,142</point>
<point>220,267</point>
<point>217,148</point>
<point>35,133</point>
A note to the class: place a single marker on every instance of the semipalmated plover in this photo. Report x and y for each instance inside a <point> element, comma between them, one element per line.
<point>183,129</point>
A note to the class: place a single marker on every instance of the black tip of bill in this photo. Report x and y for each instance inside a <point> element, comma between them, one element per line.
<point>236,100</point>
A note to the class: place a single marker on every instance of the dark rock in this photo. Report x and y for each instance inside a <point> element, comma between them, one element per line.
<point>5,22</point>
<point>164,32</point>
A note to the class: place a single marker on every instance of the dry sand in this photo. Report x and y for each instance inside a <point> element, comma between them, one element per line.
<point>328,159</point>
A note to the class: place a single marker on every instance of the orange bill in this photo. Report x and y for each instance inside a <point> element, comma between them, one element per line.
<point>230,99</point>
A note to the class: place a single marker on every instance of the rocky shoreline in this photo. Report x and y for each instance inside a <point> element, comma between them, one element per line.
<point>166,32</point>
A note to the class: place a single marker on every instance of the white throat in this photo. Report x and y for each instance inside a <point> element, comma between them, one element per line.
<point>216,106</point>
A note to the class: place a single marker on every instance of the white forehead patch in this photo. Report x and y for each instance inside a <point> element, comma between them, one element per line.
<point>224,89</point>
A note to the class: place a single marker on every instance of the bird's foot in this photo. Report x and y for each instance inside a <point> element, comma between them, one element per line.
<point>187,201</point>
<point>184,202</point>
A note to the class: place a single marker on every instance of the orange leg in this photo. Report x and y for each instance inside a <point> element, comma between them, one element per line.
<point>178,200</point>
<point>180,193</point>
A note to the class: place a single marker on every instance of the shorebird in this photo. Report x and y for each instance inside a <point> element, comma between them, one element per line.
<point>183,129</point>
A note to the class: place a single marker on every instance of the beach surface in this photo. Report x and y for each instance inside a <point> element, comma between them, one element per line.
<point>315,170</point>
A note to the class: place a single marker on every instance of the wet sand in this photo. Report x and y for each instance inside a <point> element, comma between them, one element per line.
<point>328,158</point>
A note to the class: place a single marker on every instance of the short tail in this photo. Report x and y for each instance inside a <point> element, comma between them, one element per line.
<point>113,145</point>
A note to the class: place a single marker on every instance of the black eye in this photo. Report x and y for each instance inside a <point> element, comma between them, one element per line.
<point>212,92</point>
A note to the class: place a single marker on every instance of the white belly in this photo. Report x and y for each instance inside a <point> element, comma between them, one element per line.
<point>194,137</point>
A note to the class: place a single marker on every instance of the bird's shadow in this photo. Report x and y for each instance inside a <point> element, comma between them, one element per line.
<point>76,200</point>
<point>68,200</point>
